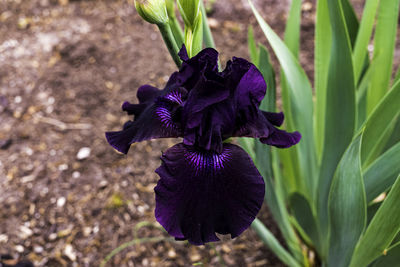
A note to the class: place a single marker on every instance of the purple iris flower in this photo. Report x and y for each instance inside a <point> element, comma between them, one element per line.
<point>206,185</point>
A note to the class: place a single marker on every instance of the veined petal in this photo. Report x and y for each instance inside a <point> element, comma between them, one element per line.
<point>201,193</point>
<point>158,119</point>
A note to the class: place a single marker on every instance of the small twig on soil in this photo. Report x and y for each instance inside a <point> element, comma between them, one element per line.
<point>62,125</point>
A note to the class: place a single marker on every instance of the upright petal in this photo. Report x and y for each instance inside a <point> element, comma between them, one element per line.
<point>251,88</point>
<point>201,193</point>
<point>147,93</point>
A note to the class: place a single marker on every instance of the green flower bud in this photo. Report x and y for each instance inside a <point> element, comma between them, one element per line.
<point>153,11</point>
<point>170,8</point>
<point>190,10</point>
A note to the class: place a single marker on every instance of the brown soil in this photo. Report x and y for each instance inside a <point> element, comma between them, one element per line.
<point>65,69</point>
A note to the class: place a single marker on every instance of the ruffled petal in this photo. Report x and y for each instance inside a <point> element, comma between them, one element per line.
<point>159,119</point>
<point>274,118</point>
<point>147,93</point>
<point>201,193</point>
<point>281,139</point>
<point>234,71</point>
<point>208,114</point>
<point>133,109</point>
<point>251,88</point>
<point>263,127</point>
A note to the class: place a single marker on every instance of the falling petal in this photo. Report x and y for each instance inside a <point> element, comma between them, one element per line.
<point>201,193</point>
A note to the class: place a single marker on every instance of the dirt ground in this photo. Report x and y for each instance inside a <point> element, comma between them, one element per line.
<point>67,198</point>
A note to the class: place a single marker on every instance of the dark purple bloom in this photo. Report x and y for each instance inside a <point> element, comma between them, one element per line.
<point>206,186</point>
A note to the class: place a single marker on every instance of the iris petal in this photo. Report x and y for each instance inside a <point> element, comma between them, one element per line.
<point>201,193</point>
<point>263,127</point>
<point>155,119</point>
<point>147,93</point>
<point>251,88</point>
<point>281,139</point>
<point>274,118</point>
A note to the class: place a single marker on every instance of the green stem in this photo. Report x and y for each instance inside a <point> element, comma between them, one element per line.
<point>169,41</point>
<point>208,38</point>
<point>177,31</point>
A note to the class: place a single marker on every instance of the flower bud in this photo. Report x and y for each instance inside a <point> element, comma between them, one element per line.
<point>152,11</point>
<point>170,8</point>
<point>190,10</point>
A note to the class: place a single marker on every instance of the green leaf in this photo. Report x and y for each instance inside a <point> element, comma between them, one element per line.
<point>208,37</point>
<point>323,43</point>
<point>371,211</point>
<point>390,259</point>
<point>382,173</point>
<point>277,206</point>
<point>292,30</point>
<point>253,51</point>
<point>347,207</point>
<point>351,20</point>
<point>247,144</point>
<point>397,76</point>
<point>268,238</point>
<point>265,67</point>
<point>379,124</point>
<point>305,216</point>
<point>395,137</point>
<point>340,111</point>
<point>396,240</point>
<point>264,159</point>
<point>361,95</point>
<point>363,36</point>
<point>291,162</point>
<point>301,101</point>
<point>381,231</point>
<point>263,152</point>
<point>384,43</point>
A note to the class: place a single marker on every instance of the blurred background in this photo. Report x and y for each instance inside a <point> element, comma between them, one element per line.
<point>66,66</point>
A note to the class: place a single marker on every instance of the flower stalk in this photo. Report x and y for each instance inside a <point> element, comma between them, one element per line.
<point>155,12</point>
<point>174,23</point>
<point>169,40</point>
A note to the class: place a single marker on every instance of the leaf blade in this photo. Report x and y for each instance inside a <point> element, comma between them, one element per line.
<point>384,116</point>
<point>338,122</point>
<point>301,99</point>
<point>347,206</point>
<point>384,43</point>
<point>381,231</point>
<point>363,36</point>
<point>323,43</point>
<point>268,238</point>
<point>382,173</point>
<point>391,258</point>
